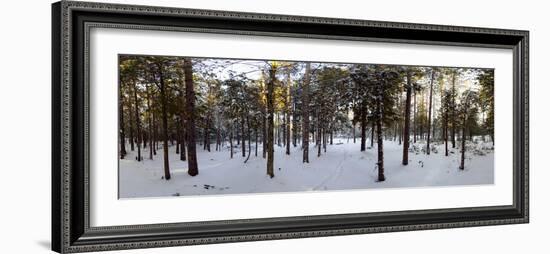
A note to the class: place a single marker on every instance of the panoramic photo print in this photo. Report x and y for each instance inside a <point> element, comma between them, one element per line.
<point>210,126</point>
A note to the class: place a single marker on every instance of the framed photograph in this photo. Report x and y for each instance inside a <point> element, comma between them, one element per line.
<point>181,126</point>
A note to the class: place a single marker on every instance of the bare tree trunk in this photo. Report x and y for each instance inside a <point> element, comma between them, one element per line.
<point>121,126</point>
<point>155,133</point>
<point>270,112</point>
<point>150,120</point>
<point>463,145</point>
<point>144,139</point>
<point>445,133</point>
<point>131,124</point>
<point>294,123</point>
<point>193,168</point>
<point>319,136</point>
<point>380,140</point>
<point>421,120</point>
<point>453,110</point>
<point>249,134</point>
<point>164,126</point>
<point>278,129</point>
<point>284,128</point>
<point>207,132</point>
<point>305,114</point>
<point>183,153</point>
<point>406,131</point>
<point>204,138</point>
<point>430,112</point>
<point>182,129</point>
<point>264,137</point>
<point>218,139</point>
<point>363,127</point>
<point>288,122</point>
<point>231,142</point>
<point>243,142</point>
<point>138,127</point>
<point>414,116</point>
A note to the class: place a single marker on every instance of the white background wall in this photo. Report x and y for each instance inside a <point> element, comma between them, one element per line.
<point>25,125</point>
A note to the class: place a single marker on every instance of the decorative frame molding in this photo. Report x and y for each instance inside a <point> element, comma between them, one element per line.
<point>71,22</point>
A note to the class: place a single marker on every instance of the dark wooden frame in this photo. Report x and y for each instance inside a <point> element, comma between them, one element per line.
<point>71,22</point>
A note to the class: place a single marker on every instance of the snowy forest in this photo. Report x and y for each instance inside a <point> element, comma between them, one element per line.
<point>195,126</point>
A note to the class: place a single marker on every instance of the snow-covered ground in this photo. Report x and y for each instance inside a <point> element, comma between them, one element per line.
<point>342,167</point>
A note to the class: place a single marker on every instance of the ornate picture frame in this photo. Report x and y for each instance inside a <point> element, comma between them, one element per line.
<point>71,229</point>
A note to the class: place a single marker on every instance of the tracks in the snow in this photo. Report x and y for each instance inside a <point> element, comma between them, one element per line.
<point>337,173</point>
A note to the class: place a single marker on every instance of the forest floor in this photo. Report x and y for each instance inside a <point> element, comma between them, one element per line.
<point>342,167</point>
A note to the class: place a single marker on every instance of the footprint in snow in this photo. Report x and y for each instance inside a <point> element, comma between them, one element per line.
<point>207,187</point>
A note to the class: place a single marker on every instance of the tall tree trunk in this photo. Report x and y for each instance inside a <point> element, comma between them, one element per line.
<point>380,139</point>
<point>287,122</point>
<point>445,132</point>
<point>463,140</point>
<point>264,137</point>
<point>190,123</point>
<point>278,124</point>
<point>138,127</point>
<point>231,142</point>
<point>243,143</point>
<point>218,139</point>
<point>181,128</point>
<point>363,117</point>
<point>414,116</point>
<point>288,135</point>
<point>155,133</point>
<point>131,126</point>
<point>207,134</point>
<point>305,114</point>
<point>249,134</point>
<point>150,123</point>
<point>407,129</point>
<point>319,136</point>
<point>430,112</point>
<point>207,130</point>
<point>270,125</point>
<point>294,122</point>
<point>204,138</point>
<point>144,139</point>
<point>121,126</point>
<point>422,117</point>
<point>284,129</point>
<point>453,110</point>
<point>164,125</point>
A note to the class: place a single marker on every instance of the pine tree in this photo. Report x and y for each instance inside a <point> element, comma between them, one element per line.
<point>193,168</point>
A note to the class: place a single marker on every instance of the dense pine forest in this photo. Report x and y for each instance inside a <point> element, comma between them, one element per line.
<point>179,114</point>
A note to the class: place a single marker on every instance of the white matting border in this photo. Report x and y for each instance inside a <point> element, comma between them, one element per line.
<point>107,210</point>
